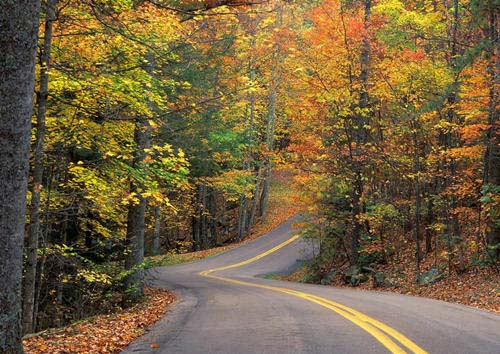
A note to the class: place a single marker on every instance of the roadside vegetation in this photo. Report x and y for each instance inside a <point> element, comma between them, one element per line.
<point>104,333</point>
<point>282,206</point>
<point>146,133</point>
<point>109,333</point>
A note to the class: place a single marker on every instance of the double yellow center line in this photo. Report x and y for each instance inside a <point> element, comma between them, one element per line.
<point>386,335</point>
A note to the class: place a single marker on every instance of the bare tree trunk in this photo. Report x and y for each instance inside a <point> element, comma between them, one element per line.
<point>242,222</point>
<point>416,171</point>
<point>255,201</point>
<point>492,160</point>
<point>44,236</point>
<point>361,137</point>
<point>266,186</point>
<point>271,123</point>
<point>37,173</point>
<point>136,217</point>
<point>18,42</point>
<point>429,218</point>
<point>137,211</point>
<point>449,141</point>
<point>203,218</point>
<point>156,231</point>
<point>212,208</point>
<point>271,120</point>
<point>196,224</point>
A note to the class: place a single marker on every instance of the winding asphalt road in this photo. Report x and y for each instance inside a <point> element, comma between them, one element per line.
<point>230,309</point>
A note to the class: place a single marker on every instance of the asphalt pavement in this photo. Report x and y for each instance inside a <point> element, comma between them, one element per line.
<point>230,308</point>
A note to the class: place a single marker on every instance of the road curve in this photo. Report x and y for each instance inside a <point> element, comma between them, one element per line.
<point>226,307</point>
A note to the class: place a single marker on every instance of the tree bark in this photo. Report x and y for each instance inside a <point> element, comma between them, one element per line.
<point>242,222</point>
<point>416,171</point>
<point>196,224</point>
<point>18,41</point>
<point>492,160</point>
<point>156,231</point>
<point>37,174</point>
<point>360,137</point>
<point>136,217</point>
<point>137,211</point>
<point>271,121</point>
<point>255,201</point>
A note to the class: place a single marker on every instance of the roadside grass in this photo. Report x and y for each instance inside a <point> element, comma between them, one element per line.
<point>178,258</point>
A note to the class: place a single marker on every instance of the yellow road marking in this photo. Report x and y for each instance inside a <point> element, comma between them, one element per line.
<point>377,329</point>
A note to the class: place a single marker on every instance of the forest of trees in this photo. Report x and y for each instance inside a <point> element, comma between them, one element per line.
<point>156,125</point>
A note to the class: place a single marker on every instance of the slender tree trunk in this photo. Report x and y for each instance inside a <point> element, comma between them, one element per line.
<point>271,120</point>
<point>43,241</point>
<point>196,224</point>
<point>255,201</point>
<point>137,210</point>
<point>212,208</point>
<point>492,165</point>
<point>37,174</point>
<point>243,225</point>
<point>418,202</point>
<point>156,231</point>
<point>429,218</point>
<point>243,218</point>
<point>18,42</point>
<point>203,218</point>
<point>266,187</point>
<point>452,118</point>
<point>361,138</point>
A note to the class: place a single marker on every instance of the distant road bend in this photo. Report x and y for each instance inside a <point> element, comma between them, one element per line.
<point>226,307</point>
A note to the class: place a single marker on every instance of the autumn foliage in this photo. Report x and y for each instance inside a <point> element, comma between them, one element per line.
<point>158,126</point>
<point>103,334</point>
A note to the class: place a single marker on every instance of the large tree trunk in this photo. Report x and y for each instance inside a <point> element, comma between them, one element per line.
<point>18,41</point>
<point>136,217</point>
<point>37,174</point>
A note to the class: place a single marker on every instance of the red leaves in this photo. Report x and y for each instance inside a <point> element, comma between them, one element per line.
<point>103,334</point>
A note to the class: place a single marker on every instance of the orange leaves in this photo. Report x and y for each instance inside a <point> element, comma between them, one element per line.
<point>471,133</point>
<point>103,334</point>
<point>413,55</point>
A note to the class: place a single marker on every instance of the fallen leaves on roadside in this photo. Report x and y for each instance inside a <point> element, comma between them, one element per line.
<point>477,286</point>
<point>105,333</point>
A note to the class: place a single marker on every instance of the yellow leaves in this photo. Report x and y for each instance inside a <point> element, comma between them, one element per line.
<point>235,183</point>
<point>153,124</point>
<point>91,276</point>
